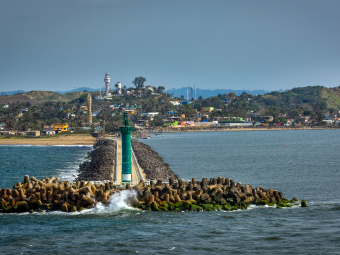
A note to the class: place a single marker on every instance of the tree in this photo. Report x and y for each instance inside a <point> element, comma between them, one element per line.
<point>82,98</point>
<point>139,82</point>
<point>307,112</point>
<point>160,89</point>
<point>10,123</point>
<point>232,94</point>
<point>244,95</point>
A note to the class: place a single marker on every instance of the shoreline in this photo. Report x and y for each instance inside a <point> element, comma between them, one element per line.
<point>84,140</point>
<point>87,140</point>
<point>213,129</point>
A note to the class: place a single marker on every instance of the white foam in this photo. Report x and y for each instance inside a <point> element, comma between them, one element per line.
<point>119,202</point>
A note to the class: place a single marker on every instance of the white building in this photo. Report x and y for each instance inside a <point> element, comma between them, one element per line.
<point>150,114</point>
<point>175,103</point>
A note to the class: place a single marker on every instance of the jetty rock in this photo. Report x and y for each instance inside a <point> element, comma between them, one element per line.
<point>215,194</point>
<point>174,195</point>
<point>103,158</point>
<point>53,194</point>
<point>153,165</point>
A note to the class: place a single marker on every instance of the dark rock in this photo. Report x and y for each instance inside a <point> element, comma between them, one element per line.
<point>153,165</point>
<point>102,162</point>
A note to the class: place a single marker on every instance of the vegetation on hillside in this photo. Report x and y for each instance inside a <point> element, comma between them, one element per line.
<point>35,109</point>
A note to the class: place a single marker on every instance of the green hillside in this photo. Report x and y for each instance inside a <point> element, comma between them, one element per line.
<point>37,96</point>
<point>312,97</point>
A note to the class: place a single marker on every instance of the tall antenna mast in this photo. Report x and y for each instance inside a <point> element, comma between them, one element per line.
<point>195,91</point>
<point>89,108</point>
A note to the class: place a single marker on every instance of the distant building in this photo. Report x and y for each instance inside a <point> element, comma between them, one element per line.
<point>49,131</point>
<point>230,120</point>
<point>208,109</point>
<point>8,132</point>
<point>265,118</point>
<point>141,123</point>
<point>150,114</point>
<point>62,127</point>
<point>33,133</point>
<point>179,115</point>
<point>130,111</point>
<point>175,102</point>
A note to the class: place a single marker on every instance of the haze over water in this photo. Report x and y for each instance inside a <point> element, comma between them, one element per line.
<point>298,163</point>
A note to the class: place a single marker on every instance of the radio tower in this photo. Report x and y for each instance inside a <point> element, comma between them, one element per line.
<point>195,91</point>
<point>107,83</point>
<point>89,108</point>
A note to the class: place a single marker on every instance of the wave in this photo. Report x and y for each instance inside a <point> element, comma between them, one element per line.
<point>118,204</point>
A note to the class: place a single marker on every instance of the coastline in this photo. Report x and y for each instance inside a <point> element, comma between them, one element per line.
<point>89,140</point>
<point>61,140</point>
<point>214,129</point>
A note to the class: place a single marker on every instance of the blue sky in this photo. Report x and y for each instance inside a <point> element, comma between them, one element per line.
<point>248,44</point>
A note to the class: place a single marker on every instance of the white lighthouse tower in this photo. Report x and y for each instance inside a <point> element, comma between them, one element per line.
<point>119,88</point>
<point>107,83</point>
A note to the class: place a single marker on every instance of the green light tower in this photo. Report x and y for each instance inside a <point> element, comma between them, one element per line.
<point>126,149</point>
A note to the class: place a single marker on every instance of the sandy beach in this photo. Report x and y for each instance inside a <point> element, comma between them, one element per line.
<point>57,140</point>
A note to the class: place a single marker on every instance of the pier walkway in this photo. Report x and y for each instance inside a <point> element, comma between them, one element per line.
<point>137,172</point>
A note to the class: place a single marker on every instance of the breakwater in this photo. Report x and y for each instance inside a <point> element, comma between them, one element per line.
<point>53,194</point>
<point>102,160</point>
<point>153,165</point>
<point>215,194</point>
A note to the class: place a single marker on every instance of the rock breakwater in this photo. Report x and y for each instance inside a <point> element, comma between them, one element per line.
<point>215,194</point>
<point>102,162</point>
<point>52,194</point>
<point>153,165</point>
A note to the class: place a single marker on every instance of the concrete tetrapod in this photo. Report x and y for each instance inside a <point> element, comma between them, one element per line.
<point>216,194</point>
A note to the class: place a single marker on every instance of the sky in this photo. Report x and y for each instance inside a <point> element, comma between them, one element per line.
<point>246,44</point>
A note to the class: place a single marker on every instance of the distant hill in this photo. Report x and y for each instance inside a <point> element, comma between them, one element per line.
<point>316,97</point>
<point>7,93</point>
<point>34,97</point>
<point>81,89</point>
<point>205,93</point>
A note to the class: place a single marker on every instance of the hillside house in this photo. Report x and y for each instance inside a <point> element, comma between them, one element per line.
<point>33,133</point>
<point>141,123</point>
<point>61,127</point>
<point>49,131</point>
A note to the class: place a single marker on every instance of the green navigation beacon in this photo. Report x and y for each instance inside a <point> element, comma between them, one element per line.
<point>126,149</point>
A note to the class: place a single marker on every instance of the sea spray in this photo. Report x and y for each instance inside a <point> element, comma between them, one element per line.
<point>121,200</point>
<point>117,203</point>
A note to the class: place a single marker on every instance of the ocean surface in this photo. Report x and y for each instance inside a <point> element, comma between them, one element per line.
<point>302,164</point>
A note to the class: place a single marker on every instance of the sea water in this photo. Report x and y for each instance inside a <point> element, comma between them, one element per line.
<point>302,164</point>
